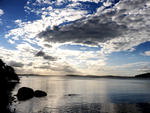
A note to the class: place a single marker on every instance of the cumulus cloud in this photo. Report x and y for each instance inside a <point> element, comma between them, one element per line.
<point>52,17</point>
<point>29,30</point>
<point>114,29</point>
<point>91,32</point>
<point>118,29</point>
<point>60,2</point>
<point>46,57</point>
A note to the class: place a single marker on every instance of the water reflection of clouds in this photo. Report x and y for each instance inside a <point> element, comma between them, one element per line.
<point>88,95</point>
<point>99,108</point>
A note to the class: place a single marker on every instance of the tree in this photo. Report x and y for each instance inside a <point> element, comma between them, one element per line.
<point>7,73</point>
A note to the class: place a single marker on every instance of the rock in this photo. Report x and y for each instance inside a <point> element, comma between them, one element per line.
<point>39,93</point>
<point>25,93</point>
<point>71,95</point>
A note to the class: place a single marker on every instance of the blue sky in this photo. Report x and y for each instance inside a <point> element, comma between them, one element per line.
<point>97,37</point>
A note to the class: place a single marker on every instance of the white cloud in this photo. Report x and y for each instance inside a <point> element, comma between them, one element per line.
<point>60,2</point>
<point>11,41</point>
<point>29,30</point>
<point>1,12</point>
<point>147,53</point>
<point>134,15</point>
<point>121,28</point>
<point>129,69</point>
<point>107,3</point>
<point>118,29</point>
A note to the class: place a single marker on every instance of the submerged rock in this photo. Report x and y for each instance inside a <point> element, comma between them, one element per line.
<point>71,94</point>
<point>25,93</point>
<point>39,93</point>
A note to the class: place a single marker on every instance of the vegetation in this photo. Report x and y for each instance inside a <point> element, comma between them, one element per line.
<point>145,75</point>
<point>8,80</point>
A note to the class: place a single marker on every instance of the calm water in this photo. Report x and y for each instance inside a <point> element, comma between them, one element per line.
<point>85,95</point>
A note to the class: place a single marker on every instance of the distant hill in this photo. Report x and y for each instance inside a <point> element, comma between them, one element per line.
<point>145,75</point>
<point>28,75</point>
<point>96,76</point>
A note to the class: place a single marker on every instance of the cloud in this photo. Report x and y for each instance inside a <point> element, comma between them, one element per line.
<point>1,12</point>
<point>50,17</point>
<point>64,69</point>
<point>147,53</point>
<point>26,48</point>
<point>32,60</point>
<point>29,30</point>
<point>117,29</point>
<point>11,41</point>
<point>129,69</point>
<point>91,32</point>
<point>59,2</point>
<point>46,57</point>
<point>61,67</point>
<point>15,64</point>
<point>40,53</point>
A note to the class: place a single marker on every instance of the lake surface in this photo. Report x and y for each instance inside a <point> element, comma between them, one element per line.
<point>85,95</point>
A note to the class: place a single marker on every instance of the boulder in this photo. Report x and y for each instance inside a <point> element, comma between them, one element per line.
<point>25,93</point>
<point>39,93</point>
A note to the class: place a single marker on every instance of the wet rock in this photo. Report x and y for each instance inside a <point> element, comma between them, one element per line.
<point>71,95</point>
<point>39,93</point>
<point>25,93</point>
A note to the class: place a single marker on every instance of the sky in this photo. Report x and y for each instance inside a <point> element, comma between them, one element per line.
<point>86,37</point>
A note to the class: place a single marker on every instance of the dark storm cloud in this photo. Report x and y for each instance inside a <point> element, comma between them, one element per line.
<point>88,32</point>
<point>16,64</point>
<point>46,57</point>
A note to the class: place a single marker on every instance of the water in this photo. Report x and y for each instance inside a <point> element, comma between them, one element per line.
<point>85,95</point>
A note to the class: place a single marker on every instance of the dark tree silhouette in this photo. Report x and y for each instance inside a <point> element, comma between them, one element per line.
<point>7,72</point>
<point>144,75</point>
<point>8,80</point>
